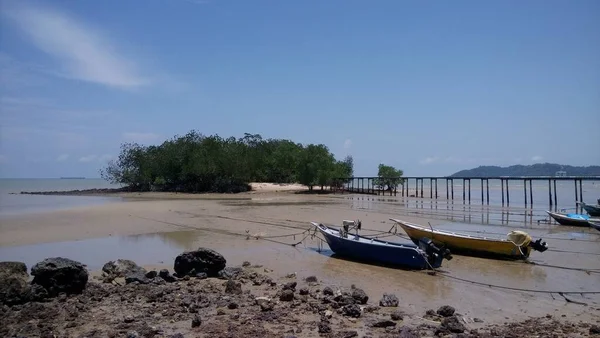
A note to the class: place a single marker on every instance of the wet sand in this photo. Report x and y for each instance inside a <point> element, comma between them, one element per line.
<point>152,229</point>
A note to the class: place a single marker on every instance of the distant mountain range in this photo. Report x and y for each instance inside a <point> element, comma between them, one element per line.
<point>539,169</point>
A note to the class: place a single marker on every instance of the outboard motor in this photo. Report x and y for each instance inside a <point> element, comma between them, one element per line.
<point>539,245</point>
<point>433,251</point>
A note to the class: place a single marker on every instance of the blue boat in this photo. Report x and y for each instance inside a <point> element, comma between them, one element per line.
<point>424,256</point>
<point>578,220</point>
<point>595,225</point>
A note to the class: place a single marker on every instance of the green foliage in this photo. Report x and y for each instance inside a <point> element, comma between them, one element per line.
<point>388,177</point>
<point>198,163</point>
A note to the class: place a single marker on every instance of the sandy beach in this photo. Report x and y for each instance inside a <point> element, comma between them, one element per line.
<point>153,228</point>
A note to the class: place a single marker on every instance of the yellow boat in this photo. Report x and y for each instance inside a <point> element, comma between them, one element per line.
<point>517,245</point>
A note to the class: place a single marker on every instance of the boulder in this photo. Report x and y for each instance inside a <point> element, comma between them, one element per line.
<point>287,295</point>
<point>201,260</point>
<point>124,268</point>
<point>453,324</point>
<point>59,274</point>
<point>14,288</point>
<point>352,310</point>
<point>166,276</point>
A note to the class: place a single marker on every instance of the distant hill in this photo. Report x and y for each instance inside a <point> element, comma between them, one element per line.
<point>539,169</point>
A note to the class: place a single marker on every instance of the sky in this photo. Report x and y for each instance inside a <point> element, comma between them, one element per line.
<point>430,87</point>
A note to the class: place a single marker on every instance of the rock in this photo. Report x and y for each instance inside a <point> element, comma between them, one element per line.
<point>151,274</point>
<point>232,305</point>
<point>287,295</point>
<point>397,315</point>
<point>246,264</point>
<point>407,332</point>
<point>344,299</point>
<point>328,291</point>
<point>220,312</point>
<point>478,320</point>
<point>201,260</point>
<point>311,279</point>
<point>202,275</point>
<point>360,296</point>
<point>196,321</point>
<point>132,334</point>
<point>128,319</point>
<point>166,276</point>
<point>137,277</point>
<point>352,310</point>
<point>453,324</point>
<point>232,287</point>
<point>230,273</point>
<point>177,335</point>
<point>446,311</point>
<point>389,300</point>
<point>328,313</point>
<point>265,303</point>
<point>14,288</point>
<point>59,274</point>
<point>324,327</point>
<point>304,291</point>
<point>347,334</point>
<point>595,329</point>
<point>384,323</point>
<point>124,268</point>
<point>290,286</point>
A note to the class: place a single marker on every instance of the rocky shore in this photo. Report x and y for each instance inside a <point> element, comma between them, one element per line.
<point>206,298</point>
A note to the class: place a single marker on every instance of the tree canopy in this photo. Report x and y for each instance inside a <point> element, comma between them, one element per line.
<point>388,177</point>
<point>198,163</point>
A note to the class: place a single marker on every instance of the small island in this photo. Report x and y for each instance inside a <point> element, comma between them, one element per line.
<point>538,169</point>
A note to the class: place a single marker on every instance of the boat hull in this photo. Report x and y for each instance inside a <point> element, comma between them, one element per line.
<point>592,210</point>
<point>394,254</point>
<point>468,245</point>
<point>595,225</point>
<point>569,221</point>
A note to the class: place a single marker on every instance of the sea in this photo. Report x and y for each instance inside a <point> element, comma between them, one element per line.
<point>12,202</point>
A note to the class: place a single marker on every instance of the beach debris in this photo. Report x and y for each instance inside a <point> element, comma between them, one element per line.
<point>232,287</point>
<point>397,315</point>
<point>451,324</point>
<point>352,310</point>
<point>165,275</point>
<point>389,300</point>
<point>384,323</point>
<point>59,274</point>
<point>201,260</point>
<point>287,295</point>
<point>230,272</point>
<point>327,291</point>
<point>446,311</point>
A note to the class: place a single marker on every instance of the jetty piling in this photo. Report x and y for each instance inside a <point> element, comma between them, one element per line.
<point>358,185</point>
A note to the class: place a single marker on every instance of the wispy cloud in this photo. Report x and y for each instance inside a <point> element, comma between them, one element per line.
<point>347,144</point>
<point>536,158</point>
<point>95,158</point>
<point>141,137</point>
<point>82,52</point>
<point>62,157</point>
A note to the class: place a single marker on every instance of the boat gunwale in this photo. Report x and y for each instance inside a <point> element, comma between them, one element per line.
<point>565,217</point>
<point>449,233</point>
<point>373,241</point>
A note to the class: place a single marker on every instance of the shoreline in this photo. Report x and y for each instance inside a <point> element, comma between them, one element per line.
<point>238,301</point>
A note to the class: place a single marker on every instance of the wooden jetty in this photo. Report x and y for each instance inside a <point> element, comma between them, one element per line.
<point>368,185</point>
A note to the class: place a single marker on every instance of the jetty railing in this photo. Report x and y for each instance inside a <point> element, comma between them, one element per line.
<point>357,185</point>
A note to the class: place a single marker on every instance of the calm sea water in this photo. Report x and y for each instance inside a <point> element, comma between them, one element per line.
<point>13,203</point>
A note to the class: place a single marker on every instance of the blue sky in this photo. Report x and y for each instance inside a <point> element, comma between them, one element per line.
<point>430,87</point>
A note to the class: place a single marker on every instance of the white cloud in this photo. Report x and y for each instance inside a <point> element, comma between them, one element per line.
<point>82,52</point>
<point>95,158</point>
<point>88,158</point>
<point>429,160</point>
<point>62,157</point>
<point>347,144</point>
<point>536,158</point>
<point>141,137</point>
